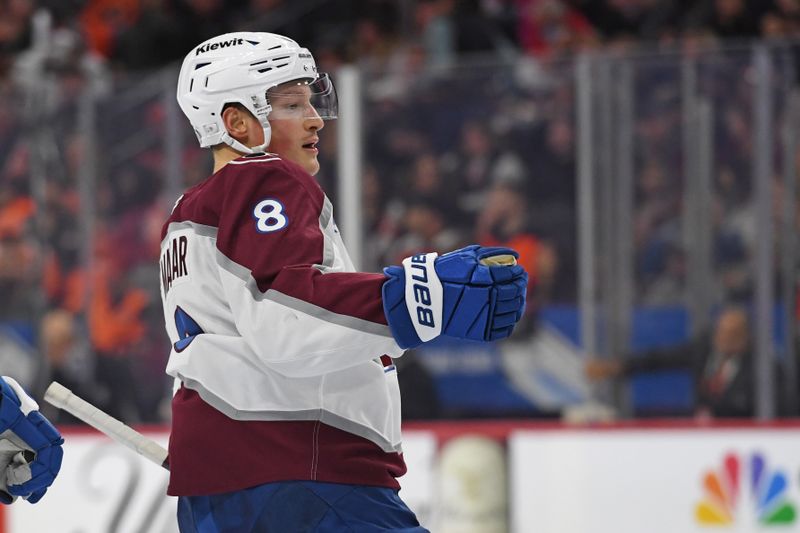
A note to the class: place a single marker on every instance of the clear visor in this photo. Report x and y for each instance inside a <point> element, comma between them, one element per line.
<point>302,99</point>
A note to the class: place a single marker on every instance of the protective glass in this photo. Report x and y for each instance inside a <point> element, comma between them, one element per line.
<point>302,99</point>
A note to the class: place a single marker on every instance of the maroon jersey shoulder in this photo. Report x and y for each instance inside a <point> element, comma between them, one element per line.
<point>204,202</point>
<point>194,205</point>
<point>247,177</point>
<point>270,216</point>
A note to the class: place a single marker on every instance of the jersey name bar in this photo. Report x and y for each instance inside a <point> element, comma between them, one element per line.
<point>173,262</point>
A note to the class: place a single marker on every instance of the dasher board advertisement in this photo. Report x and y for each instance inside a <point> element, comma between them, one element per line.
<point>661,481</point>
<point>104,487</point>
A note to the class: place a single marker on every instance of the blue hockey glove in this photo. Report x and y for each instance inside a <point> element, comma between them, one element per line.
<point>456,295</point>
<point>30,446</point>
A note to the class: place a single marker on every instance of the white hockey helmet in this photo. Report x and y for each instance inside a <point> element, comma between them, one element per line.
<point>240,68</point>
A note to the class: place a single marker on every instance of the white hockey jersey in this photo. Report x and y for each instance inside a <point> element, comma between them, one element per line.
<point>281,352</point>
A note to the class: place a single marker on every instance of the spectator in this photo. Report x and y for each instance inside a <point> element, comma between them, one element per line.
<point>426,230</point>
<point>103,20</point>
<point>471,165</point>
<point>116,327</point>
<point>436,28</point>
<point>153,39</point>
<point>553,181</point>
<point>720,362</point>
<point>656,228</point>
<point>428,181</point>
<point>67,358</point>
<point>201,19</point>
<point>504,222</point>
<point>787,12</point>
<point>477,33</point>
<point>16,211</point>
<point>664,283</point>
<point>727,19</point>
<point>550,188</point>
<point>15,32</point>
<point>648,20</point>
<point>18,279</point>
<point>552,28</point>
<point>19,257</point>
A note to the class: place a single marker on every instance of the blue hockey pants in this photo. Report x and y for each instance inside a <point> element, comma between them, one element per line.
<point>298,507</point>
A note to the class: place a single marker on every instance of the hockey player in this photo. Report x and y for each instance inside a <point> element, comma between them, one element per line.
<point>30,447</point>
<point>286,413</point>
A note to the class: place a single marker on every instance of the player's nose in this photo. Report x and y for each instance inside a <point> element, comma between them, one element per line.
<point>313,121</point>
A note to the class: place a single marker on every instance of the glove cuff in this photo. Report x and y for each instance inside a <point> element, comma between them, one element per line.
<point>394,307</point>
<point>26,403</point>
<point>10,406</point>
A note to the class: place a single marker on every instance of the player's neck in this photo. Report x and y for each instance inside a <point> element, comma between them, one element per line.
<point>223,156</point>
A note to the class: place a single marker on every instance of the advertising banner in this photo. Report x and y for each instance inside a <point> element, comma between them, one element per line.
<point>492,477</point>
<point>661,481</point>
<point>104,487</point>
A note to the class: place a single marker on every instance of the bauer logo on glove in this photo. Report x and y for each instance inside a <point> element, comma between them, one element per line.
<point>425,291</point>
<point>475,293</point>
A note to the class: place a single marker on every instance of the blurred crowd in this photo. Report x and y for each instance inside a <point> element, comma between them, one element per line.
<point>483,153</point>
<point>141,34</point>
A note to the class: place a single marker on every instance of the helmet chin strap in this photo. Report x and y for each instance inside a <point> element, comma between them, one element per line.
<point>239,147</point>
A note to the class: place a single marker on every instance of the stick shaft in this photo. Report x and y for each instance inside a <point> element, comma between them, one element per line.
<point>63,398</point>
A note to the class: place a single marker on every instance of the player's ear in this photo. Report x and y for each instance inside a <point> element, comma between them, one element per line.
<point>235,121</point>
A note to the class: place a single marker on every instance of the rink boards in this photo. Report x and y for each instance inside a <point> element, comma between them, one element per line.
<point>496,476</point>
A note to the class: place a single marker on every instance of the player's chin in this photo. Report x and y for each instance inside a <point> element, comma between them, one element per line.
<point>311,165</point>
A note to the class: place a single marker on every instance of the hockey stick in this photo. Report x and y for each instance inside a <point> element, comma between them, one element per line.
<point>63,398</point>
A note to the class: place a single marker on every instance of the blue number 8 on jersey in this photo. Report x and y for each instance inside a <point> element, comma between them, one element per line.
<point>454,295</point>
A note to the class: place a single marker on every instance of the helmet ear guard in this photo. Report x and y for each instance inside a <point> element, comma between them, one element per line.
<point>240,68</point>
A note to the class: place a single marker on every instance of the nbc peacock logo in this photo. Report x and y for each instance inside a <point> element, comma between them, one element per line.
<point>736,485</point>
